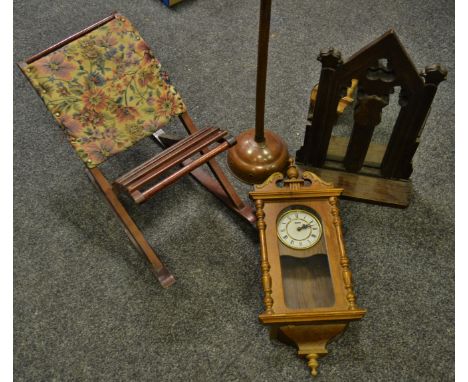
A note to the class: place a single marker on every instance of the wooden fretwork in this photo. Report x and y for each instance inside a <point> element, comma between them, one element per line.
<point>378,68</point>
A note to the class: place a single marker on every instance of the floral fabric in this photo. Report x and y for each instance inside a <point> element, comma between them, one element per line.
<point>106,90</point>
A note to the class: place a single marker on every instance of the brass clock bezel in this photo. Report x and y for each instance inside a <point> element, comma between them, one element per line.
<point>308,213</point>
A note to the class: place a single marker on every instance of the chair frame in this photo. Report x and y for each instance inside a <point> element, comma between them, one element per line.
<point>218,184</point>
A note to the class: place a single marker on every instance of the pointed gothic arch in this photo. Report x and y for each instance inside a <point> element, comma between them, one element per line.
<point>379,68</point>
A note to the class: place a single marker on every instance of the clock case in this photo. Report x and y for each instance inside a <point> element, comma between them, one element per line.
<point>308,294</point>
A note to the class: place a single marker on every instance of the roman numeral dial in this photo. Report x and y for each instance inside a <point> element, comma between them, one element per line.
<point>299,229</point>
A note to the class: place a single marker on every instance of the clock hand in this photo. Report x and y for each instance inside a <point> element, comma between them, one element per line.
<point>303,226</point>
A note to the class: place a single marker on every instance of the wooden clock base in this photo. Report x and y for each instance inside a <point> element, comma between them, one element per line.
<point>369,189</point>
<point>368,185</point>
<point>310,340</point>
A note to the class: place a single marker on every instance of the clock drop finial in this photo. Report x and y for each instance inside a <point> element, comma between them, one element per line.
<point>313,363</point>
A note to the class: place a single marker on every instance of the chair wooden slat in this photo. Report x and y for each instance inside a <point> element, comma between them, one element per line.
<point>141,197</point>
<point>165,164</point>
<point>142,169</point>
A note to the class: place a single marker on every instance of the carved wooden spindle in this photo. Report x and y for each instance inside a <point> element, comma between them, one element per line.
<point>433,75</point>
<point>265,266</point>
<point>344,260</point>
<point>367,116</point>
<point>410,123</point>
<point>319,132</point>
<point>375,88</point>
<point>407,103</point>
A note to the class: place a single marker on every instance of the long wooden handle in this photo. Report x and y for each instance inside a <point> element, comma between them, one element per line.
<point>263,38</point>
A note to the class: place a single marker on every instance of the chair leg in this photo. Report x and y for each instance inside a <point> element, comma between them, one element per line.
<point>133,232</point>
<point>205,179</point>
<point>213,184</point>
<point>231,198</point>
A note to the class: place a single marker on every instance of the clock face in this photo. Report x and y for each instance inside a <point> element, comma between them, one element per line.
<point>299,229</point>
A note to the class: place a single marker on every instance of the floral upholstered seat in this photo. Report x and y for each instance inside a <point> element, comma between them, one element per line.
<point>106,89</point>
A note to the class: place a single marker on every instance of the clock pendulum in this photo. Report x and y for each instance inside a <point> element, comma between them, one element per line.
<point>259,152</point>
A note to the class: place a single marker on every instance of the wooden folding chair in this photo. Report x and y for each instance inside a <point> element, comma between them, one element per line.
<point>107,91</point>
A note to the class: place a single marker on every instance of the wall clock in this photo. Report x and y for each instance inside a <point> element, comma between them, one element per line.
<point>306,279</point>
